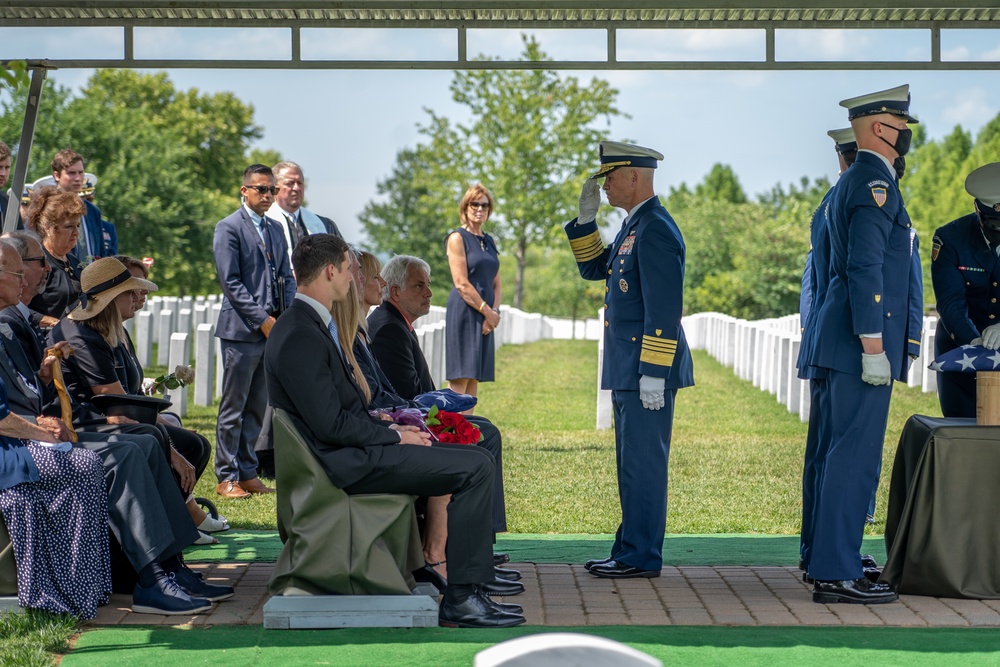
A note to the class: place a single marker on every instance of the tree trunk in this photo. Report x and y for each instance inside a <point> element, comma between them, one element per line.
<point>521,254</point>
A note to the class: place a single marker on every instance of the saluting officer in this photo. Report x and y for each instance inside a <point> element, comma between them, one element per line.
<point>646,357</point>
<point>965,271</point>
<point>863,328</point>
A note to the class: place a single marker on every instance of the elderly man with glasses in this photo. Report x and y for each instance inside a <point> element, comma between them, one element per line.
<point>251,259</point>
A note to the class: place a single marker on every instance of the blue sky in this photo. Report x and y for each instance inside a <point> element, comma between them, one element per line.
<point>345,127</point>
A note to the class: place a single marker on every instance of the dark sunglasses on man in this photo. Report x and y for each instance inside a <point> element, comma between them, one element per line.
<point>263,189</point>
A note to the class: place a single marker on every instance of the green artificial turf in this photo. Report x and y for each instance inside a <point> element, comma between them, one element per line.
<point>679,645</point>
<point>715,549</point>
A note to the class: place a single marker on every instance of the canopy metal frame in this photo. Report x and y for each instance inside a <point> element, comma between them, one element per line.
<point>770,16</point>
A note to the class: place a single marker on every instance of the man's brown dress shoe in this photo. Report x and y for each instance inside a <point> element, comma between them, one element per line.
<point>231,489</point>
<point>255,486</point>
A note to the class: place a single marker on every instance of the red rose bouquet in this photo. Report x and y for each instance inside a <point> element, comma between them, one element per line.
<point>452,428</point>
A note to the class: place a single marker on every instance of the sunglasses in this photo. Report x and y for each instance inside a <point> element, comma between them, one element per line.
<point>263,189</point>
<point>40,260</point>
<point>478,205</point>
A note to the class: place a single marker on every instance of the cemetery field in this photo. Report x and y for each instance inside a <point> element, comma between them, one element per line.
<point>735,462</point>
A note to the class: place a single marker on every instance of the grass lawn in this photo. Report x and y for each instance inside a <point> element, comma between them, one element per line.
<point>735,466</point>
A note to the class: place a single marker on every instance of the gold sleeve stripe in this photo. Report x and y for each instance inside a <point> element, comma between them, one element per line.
<point>662,344</point>
<point>915,342</point>
<point>656,358</point>
<point>587,247</point>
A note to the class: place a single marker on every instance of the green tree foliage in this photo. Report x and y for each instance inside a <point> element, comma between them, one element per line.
<point>14,75</point>
<point>553,285</point>
<point>168,163</point>
<point>721,184</point>
<point>532,137</point>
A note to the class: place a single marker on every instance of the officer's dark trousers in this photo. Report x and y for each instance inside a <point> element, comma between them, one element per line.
<point>849,457</point>
<point>811,470</point>
<point>642,447</point>
<point>145,508</point>
<point>241,410</point>
<point>957,394</point>
<point>464,472</point>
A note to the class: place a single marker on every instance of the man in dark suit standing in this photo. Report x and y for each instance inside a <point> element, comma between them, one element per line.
<point>68,175</point>
<point>307,376</point>
<point>257,284</point>
<point>646,357</point>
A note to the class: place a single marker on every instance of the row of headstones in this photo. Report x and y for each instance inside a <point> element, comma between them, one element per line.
<point>195,318</point>
<point>765,352</point>
<point>516,327</point>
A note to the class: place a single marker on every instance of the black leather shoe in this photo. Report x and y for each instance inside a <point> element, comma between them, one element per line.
<point>508,607</point>
<point>616,570</point>
<point>500,559</point>
<point>802,565</point>
<point>507,575</point>
<point>428,575</point>
<point>872,574</point>
<point>596,561</point>
<point>807,579</point>
<point>502,588</point>
<point>853,591</point>
<point>868,561</point>
<point>464,606</point>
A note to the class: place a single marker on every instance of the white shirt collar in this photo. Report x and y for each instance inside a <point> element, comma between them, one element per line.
<point>634,208</point>
<point>291,216</point>
<point>324,314</point>
<point>253,216</point>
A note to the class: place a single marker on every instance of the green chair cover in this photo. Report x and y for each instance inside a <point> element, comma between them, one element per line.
<point>335,543</point>
<point>8,570</point>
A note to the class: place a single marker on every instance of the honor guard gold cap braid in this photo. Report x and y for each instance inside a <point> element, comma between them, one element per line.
<point>616,154</point>
<point>895,101</point>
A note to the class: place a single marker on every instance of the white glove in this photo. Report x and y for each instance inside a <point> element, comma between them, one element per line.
<point>991,337</point>
<point>590,201</point>
<point>651,392</point>
<point>875,369</point>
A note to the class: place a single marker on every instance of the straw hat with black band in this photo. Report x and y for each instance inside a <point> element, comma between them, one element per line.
<point>101,281</point>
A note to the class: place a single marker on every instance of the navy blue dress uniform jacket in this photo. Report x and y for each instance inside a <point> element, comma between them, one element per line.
<point>644,274</point>
<point>872,276</point>
<point>816,276</point>
<point>965,273</point>
<point>245,275</point>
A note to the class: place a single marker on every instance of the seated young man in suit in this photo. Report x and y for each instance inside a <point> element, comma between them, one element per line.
<point>308,377</point>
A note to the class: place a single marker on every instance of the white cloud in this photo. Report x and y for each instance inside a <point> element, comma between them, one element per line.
<point>971,109</point>
<point>959,53</point>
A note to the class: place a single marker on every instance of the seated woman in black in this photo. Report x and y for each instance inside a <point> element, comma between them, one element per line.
<point>55,506</point>
<point>104,362</point>
<point>55,217</point>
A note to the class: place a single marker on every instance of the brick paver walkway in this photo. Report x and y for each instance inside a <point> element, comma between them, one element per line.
<point>561,595</point>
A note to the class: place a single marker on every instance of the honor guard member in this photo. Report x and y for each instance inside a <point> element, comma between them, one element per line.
<point>109,233</point>
<point>965,272</point>
<point>815,281</point>
<point>862,333</point>
<point>646,357</point>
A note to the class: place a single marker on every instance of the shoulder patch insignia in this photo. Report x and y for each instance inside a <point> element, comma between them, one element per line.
<point>879,194</point>
<point>936,246</point>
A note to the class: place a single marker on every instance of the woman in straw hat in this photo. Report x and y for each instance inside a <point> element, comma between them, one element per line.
<point>104,362</point>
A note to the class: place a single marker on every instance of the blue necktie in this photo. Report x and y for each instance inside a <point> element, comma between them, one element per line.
<point>336,338</point>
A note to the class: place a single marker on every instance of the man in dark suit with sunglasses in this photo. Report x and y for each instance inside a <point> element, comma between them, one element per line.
<point>252,263</point>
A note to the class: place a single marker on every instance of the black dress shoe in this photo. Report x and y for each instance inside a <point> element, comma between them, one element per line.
<point>616,570</point>
<point>507,575</point>
<point>868,561</point>
<point>500,559</point>
<point>428,575</point>
<point>464,606</point>
<point>596,561</point>
<point>802,565</point>
<point>508,607</point>
<point>853,591</point>
<point>872,574</point>
<point>502,588</point>
<point>807,579</point>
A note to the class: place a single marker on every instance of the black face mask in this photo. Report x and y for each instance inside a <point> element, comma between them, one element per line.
<point>902,145</point>
<point>989,220</point>
<point>899,164</point>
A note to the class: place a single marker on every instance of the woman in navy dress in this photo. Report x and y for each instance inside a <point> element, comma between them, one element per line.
<point>55,505</point>
<point>472,314</point>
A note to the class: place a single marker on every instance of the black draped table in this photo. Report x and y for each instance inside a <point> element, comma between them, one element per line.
<point>942,529</point>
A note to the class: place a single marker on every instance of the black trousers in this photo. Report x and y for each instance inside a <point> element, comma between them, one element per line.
<point>467,474</point>
<point>145,508</point>
<point>493,443</point>
<point>192,446</point>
